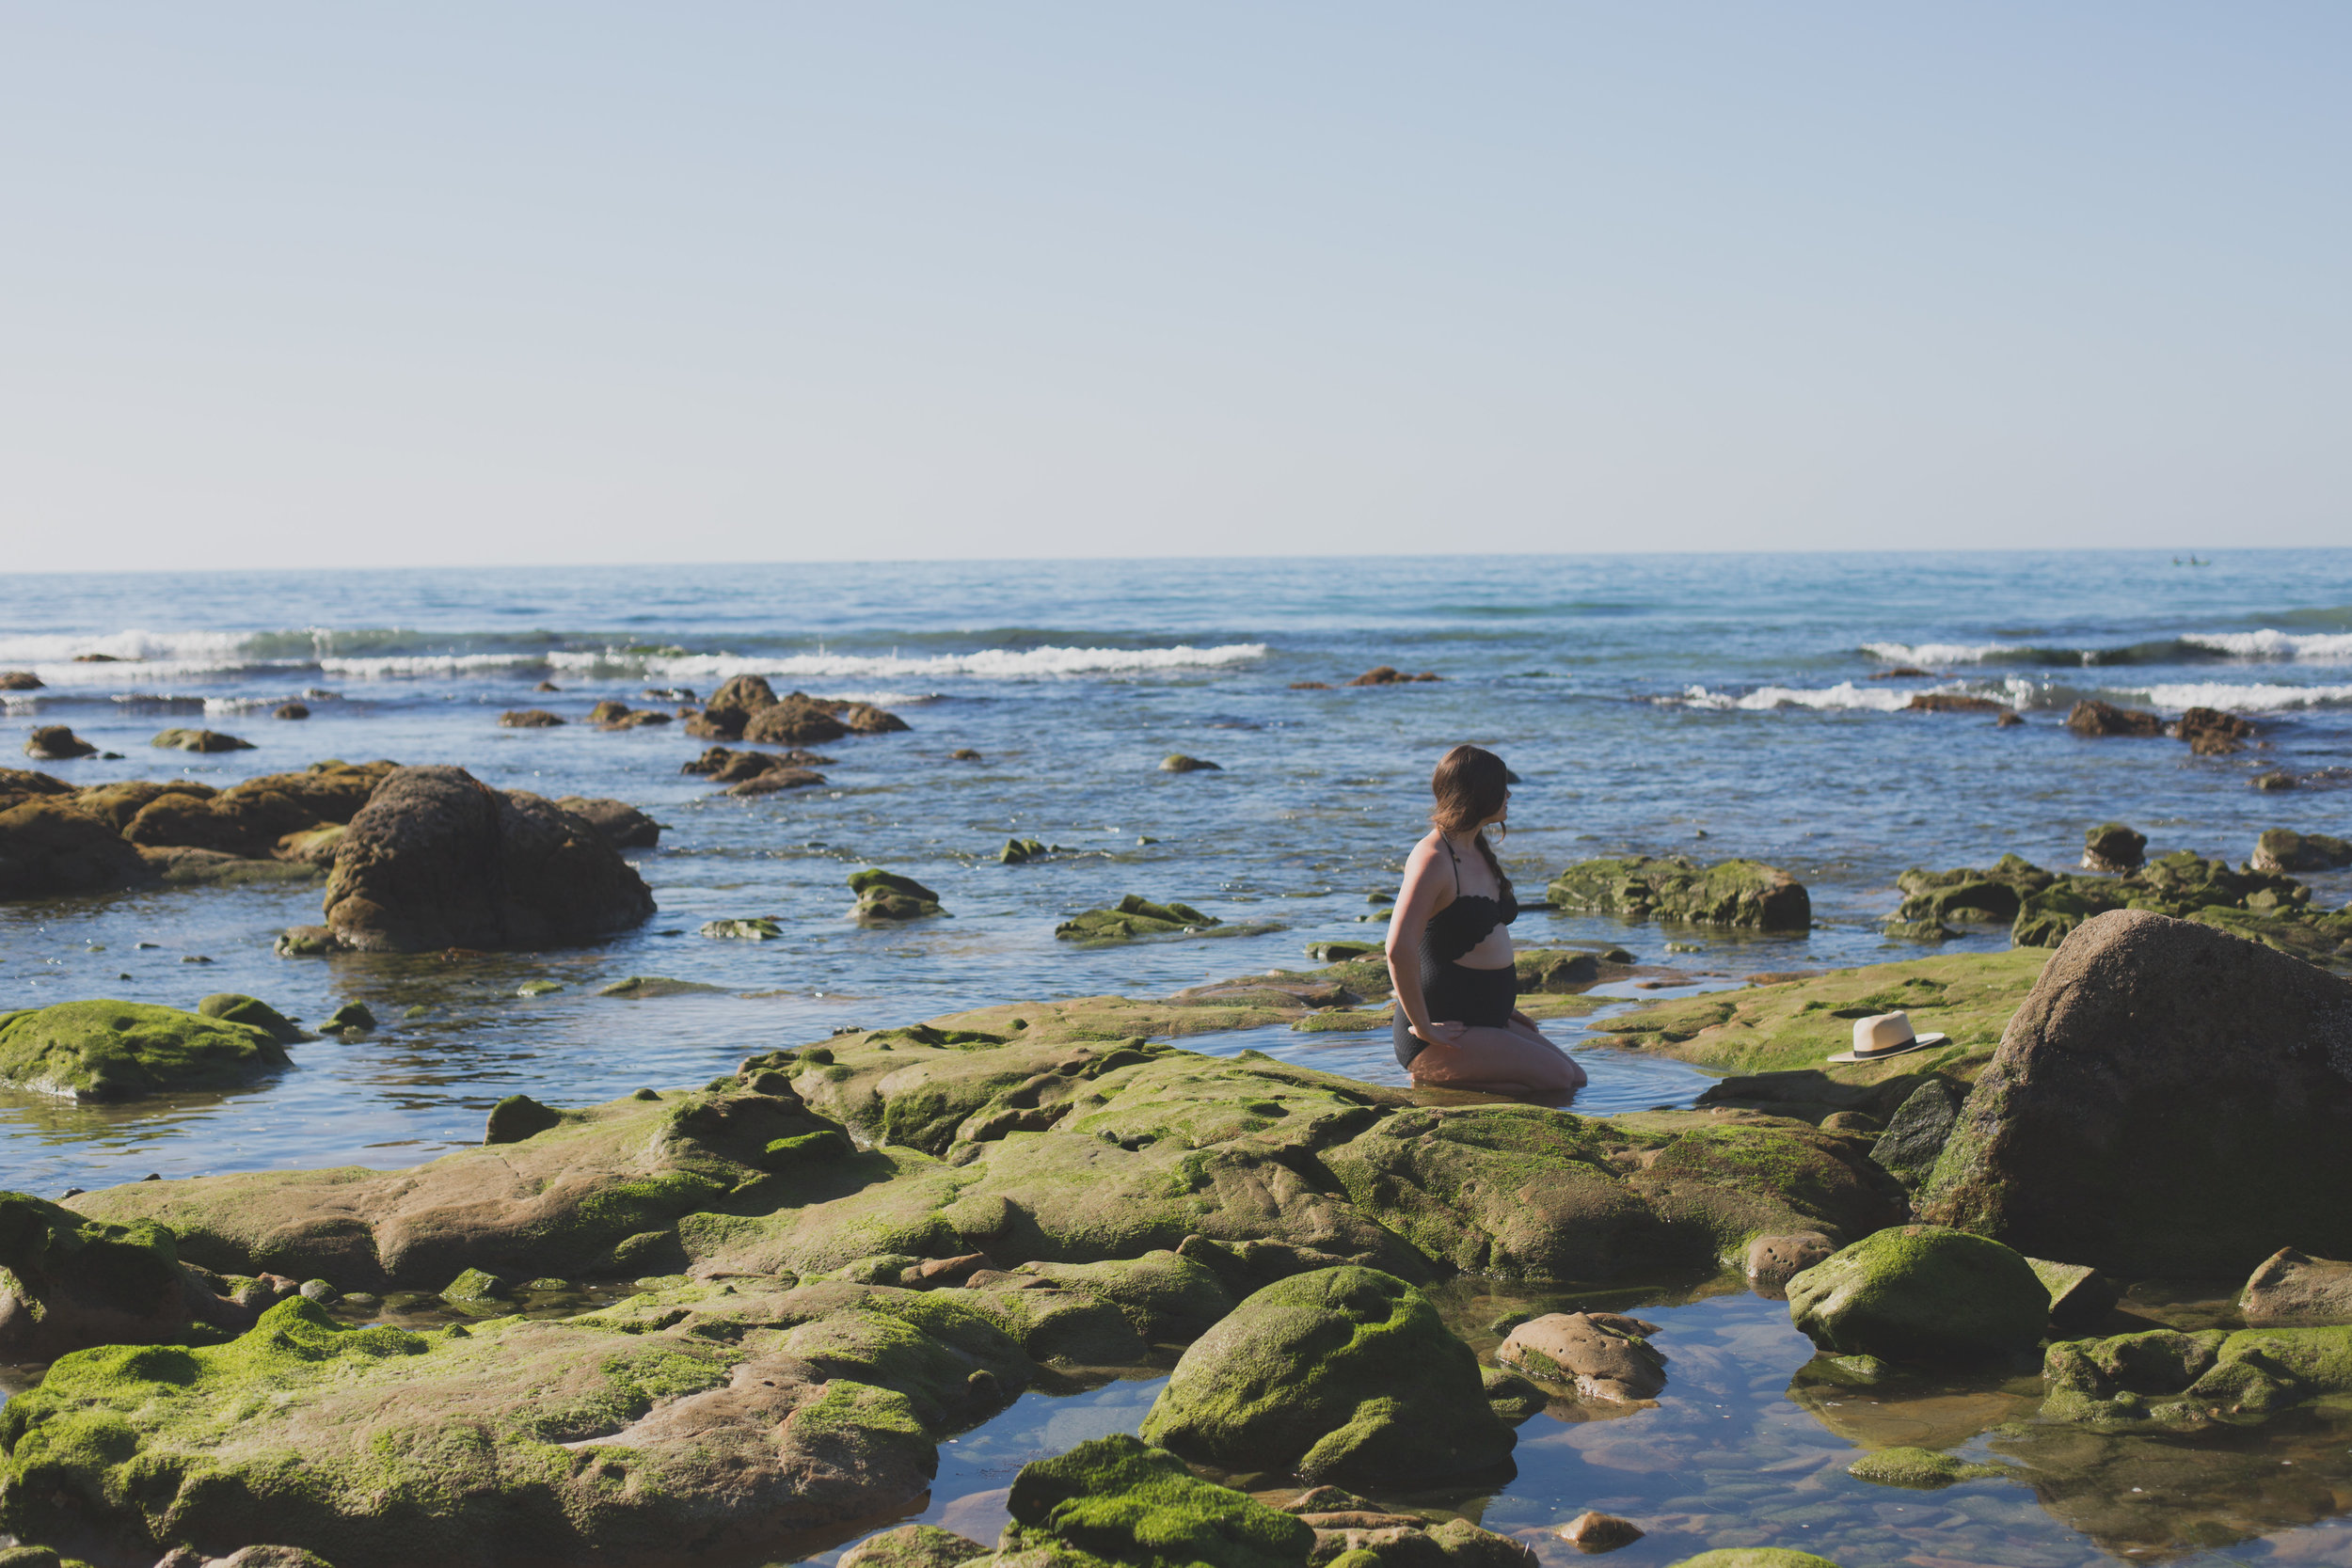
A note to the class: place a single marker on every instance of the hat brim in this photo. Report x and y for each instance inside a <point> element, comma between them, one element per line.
<point>1919,1042</point>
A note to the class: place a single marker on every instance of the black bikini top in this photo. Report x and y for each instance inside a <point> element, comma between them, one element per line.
<point>1465,923</point>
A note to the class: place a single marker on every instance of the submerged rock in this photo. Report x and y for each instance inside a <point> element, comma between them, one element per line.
<point>2169,1101</point>
<point>57,743</point>
<point>1599,1361</point>
<point>106,1051</point>
<point>1754,1556</point>
<point>721,766</point>
<point>1343,1374</point>
<point>1739,893</point>
<point>886,898</point>
<point>438,860</point>
<point>1920,1469</point>
<point>201,740</point>
<point>1386,674</point>
<point>913,1546</point>
<point>756,928</point>
<point>529,718</point>
<point>2211,733</point>
<point>2178,1379</point>
<point>49,848</point>
<point>2111,846</point>
<point>1136,916</point>
<point>1922,1292</point>
<point>1177,762</point>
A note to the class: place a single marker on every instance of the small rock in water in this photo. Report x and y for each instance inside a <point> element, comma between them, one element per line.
<point>2111,846</point>
<point>2275,780</point>
<point>194,959</point>
<point>538,987</point>
<point>1773,1261</point>
<point>1018,851</point>
<point>57,743</point>
<point>758,929</point>
<point>1599,1362</point>
<point>1920,1469</point>
<point>291,710</point>
<point>964,754</point>
<point>1922,1292</point>
<point>1176,762</point>
<point>319,1291</point>
<point>201,740</point>
<point>529,718</point>
<point>18,680</point>
<point>351,1018</point>
<point>2282,850</point>
<point>1591,1531</point>
<point>885,898</point>
<point>517,1117</point>
<point>476,1285</point>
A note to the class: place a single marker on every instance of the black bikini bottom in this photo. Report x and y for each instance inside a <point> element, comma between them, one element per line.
<point>1483,998</point>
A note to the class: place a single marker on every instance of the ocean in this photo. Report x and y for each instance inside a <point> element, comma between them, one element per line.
<point>1707,705</point>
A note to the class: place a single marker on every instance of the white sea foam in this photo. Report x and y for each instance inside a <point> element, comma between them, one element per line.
<point>2331,647</point>
<point>2017,692</point>
<point>412,666</point>
<point>2264,698</point>
<point>208,649</point>
<point>987,664</point>
<point>1941,652</point>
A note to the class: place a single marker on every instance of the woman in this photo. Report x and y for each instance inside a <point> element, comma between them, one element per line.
<point>1450,949</point>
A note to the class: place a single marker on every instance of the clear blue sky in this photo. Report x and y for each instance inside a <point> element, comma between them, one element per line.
<point>312,284</point>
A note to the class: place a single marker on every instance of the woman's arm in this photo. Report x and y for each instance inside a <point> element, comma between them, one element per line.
<point>1416,901</point>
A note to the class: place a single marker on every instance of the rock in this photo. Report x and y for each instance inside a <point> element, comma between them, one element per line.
<point>2277,779</point>
<point>1599,1363</point>
<point>1340,952</point>
<point>57,743</point>
<point>1310,686</point>
<point>759,928</point>
<point>2169,1101</point>
<point>861,718</point>
<point>1514,1398</point>
<point>1743,894</point>
<point>1167,1297</point>
<point>1176,762</point>
<point>1383,675</point>
<point>20,680</point>
<point>529,718</point>
<point>624,826</point>
<point>68,1283</point>
<point>964,754</point>
<point>1754,1556</point>
<point>1916,931</point>
<point>437,860</point>
<point>119,804</point>
<point>2080,1296</point>
<point>776,779</point>
<point>2008,719</point>
<point>352,1017</point>
<point>236,1008</point>
<point>108,1050</point>
<point>794,721</point>
<point>2211,733</point>
<point>1953,702</point>
<point>517,1117</point>
<point>474,1285</point>
<point>2112,847</point>
<point>1344,1374</point>
<point>546,685</point>
<point>1134,917</point>
<point>279,814</point>
<point>24,784</point>
<point>1773,1261</point>
<point>1115,1501</point>
<point>2176,1379</point>
<point>913,1546</point>
<point>686,1428</point>
<point>305,941</point>
<point>620,716</point>
<point>2281,850</point>
<point>48,849</point>
<point>291,710</point>
<point>2291,1287</point>
<point>1920,1469</point>
<point>1019,851</point>
<point>1922,1292</point>
<point>1591,1531</point>
<point>1916,1133</point>
<point>721,765</point>
<point>885,898</point>
<point>2094,717</point>
<point>199,740</point>
<point>731,708</point>
<point>639,987</point>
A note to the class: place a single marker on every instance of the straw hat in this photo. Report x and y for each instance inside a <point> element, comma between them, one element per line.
<point>1883,1034</point>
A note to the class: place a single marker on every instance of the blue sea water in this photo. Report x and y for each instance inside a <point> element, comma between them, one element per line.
<point>1718,706</point>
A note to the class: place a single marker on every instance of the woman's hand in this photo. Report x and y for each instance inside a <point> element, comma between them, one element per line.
<point>1441,1032</point>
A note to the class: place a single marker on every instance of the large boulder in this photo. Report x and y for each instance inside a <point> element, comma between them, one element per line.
<point>439,859</point>
<point>48,849</point>
<point>1345,1375</point>
<point>122,1050</point>
<point>1921,1292</point>
<point>2291,1287</point>
<point>2169,1100</point>
<point>57,743</point>
<point>624,826</point>
<point>1741,894</point>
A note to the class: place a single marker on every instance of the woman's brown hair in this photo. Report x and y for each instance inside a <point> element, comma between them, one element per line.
<point>1471,785</point>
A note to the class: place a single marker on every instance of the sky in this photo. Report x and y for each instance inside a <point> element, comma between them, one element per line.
<point>301,285</point>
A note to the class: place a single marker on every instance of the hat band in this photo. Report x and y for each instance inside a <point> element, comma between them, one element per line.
<point>1903,1044</point>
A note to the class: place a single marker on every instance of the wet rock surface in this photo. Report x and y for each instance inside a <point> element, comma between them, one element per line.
<point>114,1051</point>
<point>1739,894</point>
<point>1922,1292</point>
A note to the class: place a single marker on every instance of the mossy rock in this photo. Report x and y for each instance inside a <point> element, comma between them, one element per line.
<point>236,1008</point>
<point>913,1546</point>
<point>1922,1292</point>
<point>1134,917</point>
<point>1918,1469</point>
<point>122,1050</point>
<point>758,929</point>
<point>1798,1024</point>
<point>2173,1380</point>
<point>1754,1556</point>
<point>1344,1375</point>
<point>1740,893</point>
<point>199,740</point>
<point>1118,1500</point>
<point>1167,1298</point>
<point>885,898</point>
<point>377,1448</point>
<point>68,1282</point>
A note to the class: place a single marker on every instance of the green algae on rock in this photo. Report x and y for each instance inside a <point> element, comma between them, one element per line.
<point>199,740</point>
<point>122,1050</point>
<point>913,1546</point>
<point>2282,850</point>
<point>1135,916</point>
<point>758,929</point>
<point>237,1009</point>
<point>1922,1292</point>
<point>2176,1379</point>
<point>1740,893</point>
<point>1118,1500</point>
<point>1754,1556</point>
<point>67,1282</point>
<point>1797,1024</point>
<point>687,1420</point>
<point>1920,1469</point>
<point>1344,1374</point>
<point>885,898</point>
